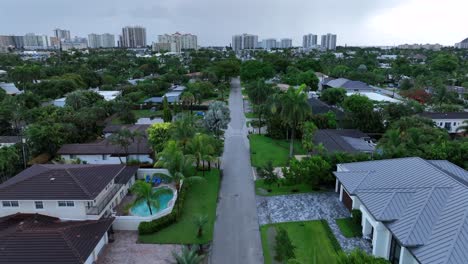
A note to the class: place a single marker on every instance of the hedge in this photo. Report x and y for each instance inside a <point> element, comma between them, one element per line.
<point>335,244</point>
<point>156,225</point>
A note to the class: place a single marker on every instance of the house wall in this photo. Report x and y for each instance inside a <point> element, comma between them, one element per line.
<point>454,124</point>
<point>51,208</point>
<point>107,159</point>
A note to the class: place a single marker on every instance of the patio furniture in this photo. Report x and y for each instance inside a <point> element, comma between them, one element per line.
<point>148,178</point>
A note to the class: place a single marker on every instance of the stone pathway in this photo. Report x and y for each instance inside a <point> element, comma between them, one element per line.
<point>125,250</point>
<point>305,207</point>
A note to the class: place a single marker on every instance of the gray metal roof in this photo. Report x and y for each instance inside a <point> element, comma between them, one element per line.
<point>423,203</point>
<point>10,88</point>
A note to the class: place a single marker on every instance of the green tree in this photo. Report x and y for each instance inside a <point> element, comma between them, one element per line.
<point>308,132</point>
<point>183,129</point>
<point>267,173</point>
<point>253,69</point>
<point>294,110</point>
<point>333,96</point>
<point>145,192</point>
<point>362,113</point>
<point>82,98</point>
<point>187,256</point>
<point>10,161</point>
<point>123,138</point>
<point>188,99</point>
<point>47,137</point>
<point>283,246</point>
<point>158,135</point>
<point>167,115</point>
<point>226,69</point>
<point>217,118</point>
<point>200,221</point>
<point>202,148</point>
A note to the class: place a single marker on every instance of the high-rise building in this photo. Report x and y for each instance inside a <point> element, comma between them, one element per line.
<point>7,41</point>
<point>96,41</point>
<point>309,41</point>
<point>133,37</point>
<point>32,41</point>
<point>328,41</point>
<point>463,44</point>
<point>286,43</point>
<point>269,44</point>
<point>62,34</point>
<point>177,42</point>
<point>244,41</point>
<point>75,43</point>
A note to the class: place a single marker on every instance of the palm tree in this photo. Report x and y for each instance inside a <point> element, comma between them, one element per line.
<point>188,99</point>
<point>124,138</point>
<point>183,129</point>
<point>200,221</point>
<point>294,110</point>
<point>138,136</point>
<point>180,166</point>
<point>145,192</point>
<point>464,127</point>
<point>187,256</point>
<point>202,148</point>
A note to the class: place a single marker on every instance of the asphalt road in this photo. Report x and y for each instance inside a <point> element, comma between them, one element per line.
<point>236,235</point>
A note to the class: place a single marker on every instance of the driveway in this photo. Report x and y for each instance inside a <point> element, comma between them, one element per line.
<point>305,207</point>
<point>125,250</point>
<point>236,234</point>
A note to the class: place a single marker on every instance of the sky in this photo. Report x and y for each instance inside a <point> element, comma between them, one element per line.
<point>356,22</point>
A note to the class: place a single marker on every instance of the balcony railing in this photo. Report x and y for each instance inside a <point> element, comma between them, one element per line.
<point>97,209</point>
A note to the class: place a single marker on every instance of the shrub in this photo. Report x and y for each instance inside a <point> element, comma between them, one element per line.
<point>283,246</point>
<point>357,217</point>
<point>158,135</point>
<point>335,244</point>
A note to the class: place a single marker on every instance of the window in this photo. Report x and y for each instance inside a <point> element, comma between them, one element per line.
<point>104,157</point>
<point>395,250</point>
<point>39,204</point>
<point>66,203</point>
<point>72,156</point>
<point>10,204</point>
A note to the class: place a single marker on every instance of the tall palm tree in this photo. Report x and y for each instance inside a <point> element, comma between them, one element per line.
<point>188,99</point>
<point>124,138</point>
<point>145,192</point>
<point>180,166</point>
<point>202,148</point>
<point>187,256</point>
<point>294,109</point>
<point>183,129</point>
<point>200,221</point>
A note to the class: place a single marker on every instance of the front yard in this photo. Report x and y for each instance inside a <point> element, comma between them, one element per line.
<point>201,199</point>
<point>270,190</point>
<point>348,228</point>
<point>263,149</point>
<point>313,242</point>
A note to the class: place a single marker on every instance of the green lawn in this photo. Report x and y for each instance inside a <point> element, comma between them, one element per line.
<point>250,115</point>
<point>201,199</point>
<point>348,228</point>
<point>310,239</point>
<point>261,188</point>
<point>263,149</point>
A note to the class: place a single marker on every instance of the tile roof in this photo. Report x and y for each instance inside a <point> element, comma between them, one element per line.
<point>343,140</point>
<point>423,203</point>
<point>58,181</point>
<point>320,107</point>
<point>10,139</point>
<point>35,238</point>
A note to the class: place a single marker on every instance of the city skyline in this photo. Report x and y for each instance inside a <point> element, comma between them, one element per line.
<point>366,24</point>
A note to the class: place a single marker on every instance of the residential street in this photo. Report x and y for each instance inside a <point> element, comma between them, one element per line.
<point>236,235</point>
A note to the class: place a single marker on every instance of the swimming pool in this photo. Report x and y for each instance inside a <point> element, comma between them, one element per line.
<point>141,208</point>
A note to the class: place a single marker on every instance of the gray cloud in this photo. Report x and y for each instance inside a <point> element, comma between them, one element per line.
<point>215,21</point>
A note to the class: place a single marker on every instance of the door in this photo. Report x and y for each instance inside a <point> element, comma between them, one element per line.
<point>347,201</point>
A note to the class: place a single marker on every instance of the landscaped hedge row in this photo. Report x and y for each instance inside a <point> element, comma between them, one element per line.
<point>156,225</point>
<point>335,244</point>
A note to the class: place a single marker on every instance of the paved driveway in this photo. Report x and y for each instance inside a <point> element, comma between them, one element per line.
<point>125,250</point>
<point>305,207</point>
<point>236,234</point>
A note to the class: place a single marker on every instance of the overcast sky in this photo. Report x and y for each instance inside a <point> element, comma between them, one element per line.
<point>356,22</point>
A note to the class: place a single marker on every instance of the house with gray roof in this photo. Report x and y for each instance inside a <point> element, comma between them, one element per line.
<point>348,85</point>
<point>450,121</point>
<point>344,140</point>
<point>413,210</point>
<point>10,88</point>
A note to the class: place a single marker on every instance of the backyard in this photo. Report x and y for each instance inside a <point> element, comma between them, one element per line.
<point>200,200</point>
<point>263,149</point>
<point>313,240</point>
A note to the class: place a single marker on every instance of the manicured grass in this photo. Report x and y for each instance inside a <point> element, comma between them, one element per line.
<point>146,113</point>
<point>263,149</point>
<point>310,239</point>
<point>201,199</point>
<point>250,115</point>
<point>261,188</point>
<point>348,228</point>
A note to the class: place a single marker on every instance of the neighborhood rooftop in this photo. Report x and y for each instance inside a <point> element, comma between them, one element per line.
<point>446,115</point>
<point>35,238</point>
<point>422,203</point>
<point>58,181</point>
<point>343,140</point>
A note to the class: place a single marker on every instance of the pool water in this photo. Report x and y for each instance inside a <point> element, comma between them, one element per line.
<point>141,208</point>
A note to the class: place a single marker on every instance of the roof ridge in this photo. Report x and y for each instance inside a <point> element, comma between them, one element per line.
<point>387,204</point>
<point>70,245</point>
<point>448,174</point>
<point>363,178</point>
<point>78,182</point>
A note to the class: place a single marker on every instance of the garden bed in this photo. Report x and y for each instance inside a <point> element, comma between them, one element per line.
<point>348,228</point>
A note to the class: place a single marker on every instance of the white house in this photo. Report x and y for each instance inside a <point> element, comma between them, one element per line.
<point>8,141</point>
<point>413,210</point>
<point>104,152</point>
<point>68,192</point>
<point>451,121</point>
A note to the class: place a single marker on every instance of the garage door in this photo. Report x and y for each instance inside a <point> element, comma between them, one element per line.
<point>348,202</point>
